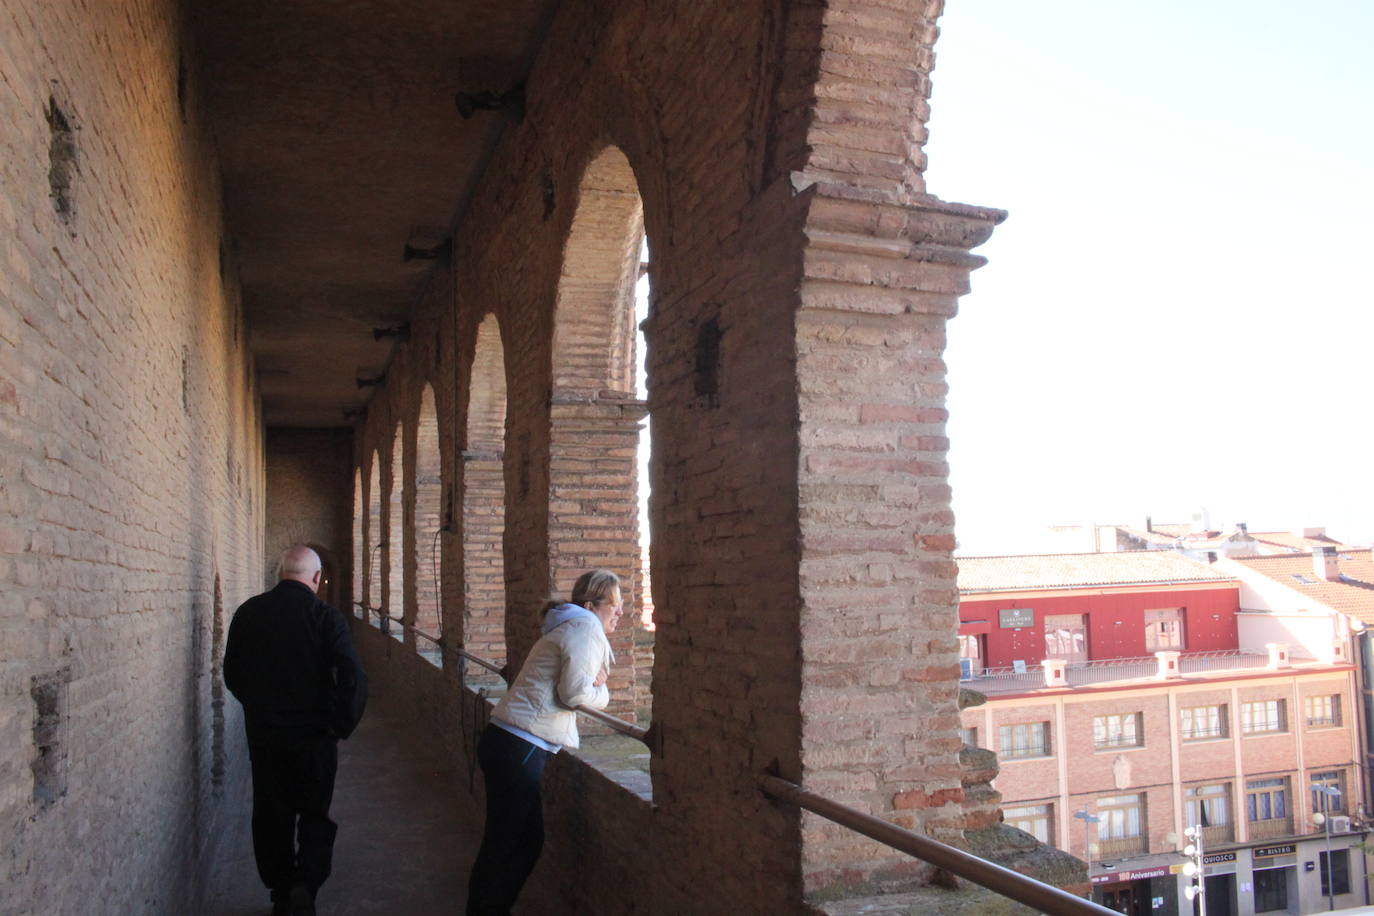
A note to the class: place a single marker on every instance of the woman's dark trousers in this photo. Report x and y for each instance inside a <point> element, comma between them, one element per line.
<point>514,835</point>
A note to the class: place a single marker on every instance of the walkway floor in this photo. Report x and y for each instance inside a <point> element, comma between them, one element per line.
<point>403,846</point>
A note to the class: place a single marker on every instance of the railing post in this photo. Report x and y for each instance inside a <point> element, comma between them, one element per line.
<point>1168,664</point>
<point>1278,655</point>
<point>1056,670</point>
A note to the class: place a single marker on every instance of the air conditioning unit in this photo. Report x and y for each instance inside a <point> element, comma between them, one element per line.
<point>1340,823</point>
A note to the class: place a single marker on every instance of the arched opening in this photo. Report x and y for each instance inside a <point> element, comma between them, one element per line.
<point>395,599</point>
<point>596,411</point>
<point>329,584</point>
<point>373,583</point>
<point>429,523</point>
<point>359,550</point>
<point>484,505</point>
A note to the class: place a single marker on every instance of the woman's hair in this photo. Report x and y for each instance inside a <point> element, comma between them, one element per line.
<point>592,586</point>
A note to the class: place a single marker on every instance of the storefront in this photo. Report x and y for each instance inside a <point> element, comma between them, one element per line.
<point>1151,891</point>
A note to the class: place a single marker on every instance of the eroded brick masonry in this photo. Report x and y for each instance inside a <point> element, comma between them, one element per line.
<point>804,601</point>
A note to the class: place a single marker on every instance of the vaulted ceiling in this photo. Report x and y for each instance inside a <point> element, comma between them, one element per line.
<point>340,143</point>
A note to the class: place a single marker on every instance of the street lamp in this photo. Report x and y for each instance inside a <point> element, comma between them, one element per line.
<point>1087,819</point>
<point>1194,868</point>
<point>1322,819</point>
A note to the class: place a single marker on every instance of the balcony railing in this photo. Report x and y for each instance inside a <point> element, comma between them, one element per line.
<point>1271,827</point>
<point>1119,846</point>
<point>1218,833</point>
<point>1020,679</point>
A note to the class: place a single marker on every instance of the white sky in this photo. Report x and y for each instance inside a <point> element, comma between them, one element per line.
<point>1176,312</point>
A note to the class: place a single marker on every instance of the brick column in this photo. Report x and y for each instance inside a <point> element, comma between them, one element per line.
<point>880,660</point>
<point>594,514</point>
<point>484,590</point>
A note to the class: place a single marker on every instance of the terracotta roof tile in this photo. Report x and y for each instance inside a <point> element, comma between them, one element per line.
<point>1067,570</point>
<point>1296,542</point>
<point>1353,594</point>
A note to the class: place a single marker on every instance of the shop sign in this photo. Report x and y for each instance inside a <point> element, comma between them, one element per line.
<point>1014,618</point>
<point>1268,852</point>
<point>1137,875</point>
<point>1218,857</point>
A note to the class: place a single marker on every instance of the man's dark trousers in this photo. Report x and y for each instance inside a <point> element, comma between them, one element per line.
<point>293,783</point>
<point>290,661</point>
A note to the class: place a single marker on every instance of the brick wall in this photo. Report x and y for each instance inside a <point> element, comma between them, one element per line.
<point>430,514</point>
<point>309,474</point>
<point>131,470</point>
<point>884,265</point>
<point>804,591</point>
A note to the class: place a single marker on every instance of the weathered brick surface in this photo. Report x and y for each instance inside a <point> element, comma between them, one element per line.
<point>801,281</point>
<point>804,592</point>
<point>131,469</point>
<point>307,470</point>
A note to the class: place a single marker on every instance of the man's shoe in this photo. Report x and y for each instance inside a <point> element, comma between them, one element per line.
<point>302,900</point>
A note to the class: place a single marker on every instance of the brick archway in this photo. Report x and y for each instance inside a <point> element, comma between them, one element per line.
<point>429,515</point>
<point>372,581</point>
<point>595,413</point>
<point>395,575</point>
<point>484,501</point>
<point>359,548</point>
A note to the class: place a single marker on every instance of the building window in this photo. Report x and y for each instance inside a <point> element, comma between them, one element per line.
<point>1271,889</point>
<point>1336,879</point>
<point>1325,801</point>
<point>1266,802</point>
<point>1028,739</point>
<point>1263,716</point>
<point>971,654</point>
<point>969,736</point>
<point>1323,711</point>
<point>1118,730</point>
<point>1164,629</point>
<point>1201,722</point>
<point>1066,637</point>
<point>1120,825</point>
<point>1034,819</point>
<point>1209,805</point>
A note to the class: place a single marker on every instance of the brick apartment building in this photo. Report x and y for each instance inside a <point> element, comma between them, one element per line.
<point>1126,703</point>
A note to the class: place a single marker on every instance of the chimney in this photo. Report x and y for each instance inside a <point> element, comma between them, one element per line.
<point>1311,532</point>
<point>1242,528</point>
<point>1149,524</point>
<point>1325,565</point>
<point>1202,521</point>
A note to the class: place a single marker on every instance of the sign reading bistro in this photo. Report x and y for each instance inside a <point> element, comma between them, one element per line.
<point>1268,852</point>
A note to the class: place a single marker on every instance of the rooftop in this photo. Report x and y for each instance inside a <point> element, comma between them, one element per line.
<point>1296,542</point>
<point>1072,570</point>
<point>1352,594</point>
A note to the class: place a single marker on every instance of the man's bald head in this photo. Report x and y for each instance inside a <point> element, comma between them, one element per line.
<point>301,564</point>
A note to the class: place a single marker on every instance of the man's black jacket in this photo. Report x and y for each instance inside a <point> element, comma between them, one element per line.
<point>290,661</point>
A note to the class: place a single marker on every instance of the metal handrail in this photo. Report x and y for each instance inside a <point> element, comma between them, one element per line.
<point>1014,885</point>
<point>629,729</point>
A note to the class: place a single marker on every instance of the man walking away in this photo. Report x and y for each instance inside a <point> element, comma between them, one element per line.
<point>290,661</point>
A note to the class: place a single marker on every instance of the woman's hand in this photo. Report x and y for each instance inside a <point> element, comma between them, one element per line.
<point>601,678</point>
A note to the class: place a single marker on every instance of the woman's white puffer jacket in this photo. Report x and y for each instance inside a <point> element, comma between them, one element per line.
<point>558,675</point>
